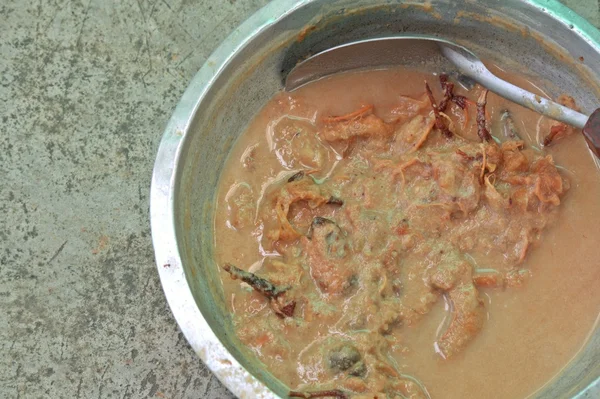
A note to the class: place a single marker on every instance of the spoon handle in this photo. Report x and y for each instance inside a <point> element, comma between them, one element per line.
<point>529,100</point>
<point>591,132</point>
<point>471,66</point>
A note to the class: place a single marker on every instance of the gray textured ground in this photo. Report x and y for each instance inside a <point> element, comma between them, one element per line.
<point>86,88</point>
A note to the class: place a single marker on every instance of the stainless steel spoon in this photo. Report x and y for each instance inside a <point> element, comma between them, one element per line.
<point>421,50</point>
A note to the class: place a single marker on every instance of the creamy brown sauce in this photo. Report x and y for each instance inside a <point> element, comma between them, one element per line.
<point>418,265</point>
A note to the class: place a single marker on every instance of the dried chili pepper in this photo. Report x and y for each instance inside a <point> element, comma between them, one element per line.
<point>554,131</point>
<point>296,177</point>
<point>334,393</point>
<point>439,123</point>
<point>260,284</point>
<point>460,101</point>
<point>482,130</point>
<point>559,129</point>
<point>448,88</point>
<point>265,287</point>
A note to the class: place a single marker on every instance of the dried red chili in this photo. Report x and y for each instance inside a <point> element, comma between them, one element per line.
<point>439,122</point>
<point>482,130</point>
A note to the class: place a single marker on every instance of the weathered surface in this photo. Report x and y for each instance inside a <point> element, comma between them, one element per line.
<point>86,88</point>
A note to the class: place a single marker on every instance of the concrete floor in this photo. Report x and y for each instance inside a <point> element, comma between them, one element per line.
<point>86,88</point>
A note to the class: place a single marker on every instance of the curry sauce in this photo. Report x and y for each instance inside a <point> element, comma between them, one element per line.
<point>389,234</point>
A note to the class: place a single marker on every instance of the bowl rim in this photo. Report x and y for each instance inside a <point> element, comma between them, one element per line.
<point>166,173</point>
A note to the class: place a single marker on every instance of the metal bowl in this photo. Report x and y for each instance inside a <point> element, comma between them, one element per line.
<point>540,37</point>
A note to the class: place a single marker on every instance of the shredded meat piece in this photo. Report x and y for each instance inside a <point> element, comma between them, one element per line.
<point>459,185</point>
<point>467,318</point>
<point>407,108</point>
<point>488,279</point>
<point>454,277</point>
<point>447,273</point>
<point>514,160</point>
<point>513,145</point>
<point>361,123</point>
<point>412,135</point>
<point>541,183</point>
<point>516,278</point>
<point>295,191</point>
<point>423,169</point>
<point>548,182</point>
<point>493,197</point>
<point>326,250</point>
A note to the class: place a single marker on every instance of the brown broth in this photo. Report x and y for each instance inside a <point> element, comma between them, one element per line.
<point>531,332</point>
